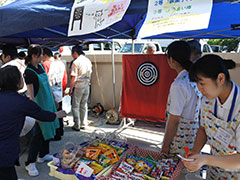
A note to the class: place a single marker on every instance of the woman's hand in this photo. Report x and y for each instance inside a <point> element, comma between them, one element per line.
<point>199,161</point>
<point>61,114</point>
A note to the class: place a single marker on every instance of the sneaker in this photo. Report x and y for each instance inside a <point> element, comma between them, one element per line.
<point>47,157</point>
<point>32,170</point>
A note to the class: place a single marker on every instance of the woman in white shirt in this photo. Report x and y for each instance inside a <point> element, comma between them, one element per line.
<point>183,102</point>
<point>219,120</point>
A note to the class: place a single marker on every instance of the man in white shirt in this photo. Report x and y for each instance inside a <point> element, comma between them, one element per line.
<point>10,57</point>
<point>80,78</point>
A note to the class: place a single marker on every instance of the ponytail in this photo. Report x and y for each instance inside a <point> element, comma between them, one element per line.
<point>186,64</point>
<point>229,63</point>
<point>28,60</point>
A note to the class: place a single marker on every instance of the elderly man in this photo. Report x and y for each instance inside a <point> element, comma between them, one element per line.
<point>151,48</point>
<point>80,78</point>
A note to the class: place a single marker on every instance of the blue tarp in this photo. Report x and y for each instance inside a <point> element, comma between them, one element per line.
<point>46,21</point>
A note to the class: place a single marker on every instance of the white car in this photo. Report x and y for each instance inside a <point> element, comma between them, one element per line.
<point>94,47</point>
<point>140,47</point>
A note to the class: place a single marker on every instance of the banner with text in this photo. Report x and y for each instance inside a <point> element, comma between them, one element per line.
<point>165,16</point>
<point>89,16</point>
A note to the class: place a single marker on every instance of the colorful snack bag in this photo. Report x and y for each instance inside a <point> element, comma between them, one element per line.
<point>131,159</point>
<point>150,157</point>
<point>120,150</point>
<point>121,174</point>
<point>113,155</point>
<point>104,161</point>
<point>127,166</point>
<point>144,167</point>
<point>96,167</point>
<point>104,147</point>
<point>134,177</point>
<point>138,174</point>
<point>115,177</point>
<point>93,152</point>
<point>148,177</point>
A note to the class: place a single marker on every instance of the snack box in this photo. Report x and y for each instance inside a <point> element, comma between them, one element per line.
<point>53,172</point>
<point>134,150</point>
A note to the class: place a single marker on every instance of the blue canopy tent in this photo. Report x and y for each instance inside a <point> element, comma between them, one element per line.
<point>46,22</point>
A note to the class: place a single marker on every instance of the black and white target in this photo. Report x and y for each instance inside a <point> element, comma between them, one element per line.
<point>147,74</point>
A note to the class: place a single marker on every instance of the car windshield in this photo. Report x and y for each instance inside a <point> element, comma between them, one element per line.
<point>127,48</point>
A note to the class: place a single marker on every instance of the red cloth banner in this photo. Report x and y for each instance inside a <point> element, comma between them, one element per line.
<point>145,88</point>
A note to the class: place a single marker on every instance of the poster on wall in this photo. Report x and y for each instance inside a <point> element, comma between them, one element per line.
<point>89,16</point>
<point>165,16</point>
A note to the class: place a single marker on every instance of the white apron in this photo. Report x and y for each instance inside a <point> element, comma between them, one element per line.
<point>213,126</point>
<point>187,128</point>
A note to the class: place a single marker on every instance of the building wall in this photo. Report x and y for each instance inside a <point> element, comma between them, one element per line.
<point>102,83</point>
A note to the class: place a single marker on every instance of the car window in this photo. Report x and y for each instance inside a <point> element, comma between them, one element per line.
<point>164,49</point>
<point>138,48</point>
<point>117,46</point>
<point>97,46</point>
<point>157,47</point>
<point>206,48</point>
<point>127,48</point>
<point>86,47</point>
<point>107,46</point>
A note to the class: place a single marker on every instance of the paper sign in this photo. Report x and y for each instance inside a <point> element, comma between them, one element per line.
<point>84,170</point>
<point>89,16</point>
<point>166,16</point>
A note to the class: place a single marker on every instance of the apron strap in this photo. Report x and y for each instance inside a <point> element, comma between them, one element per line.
<point>232,106</point>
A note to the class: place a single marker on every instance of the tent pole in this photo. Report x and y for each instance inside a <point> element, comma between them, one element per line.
<point>113,76</point>
<point>133,46</point>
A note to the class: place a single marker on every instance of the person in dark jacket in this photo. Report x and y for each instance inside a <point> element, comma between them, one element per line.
<point>13,110</point>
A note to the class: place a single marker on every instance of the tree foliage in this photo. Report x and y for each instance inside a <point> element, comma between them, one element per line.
<point>226,44</point>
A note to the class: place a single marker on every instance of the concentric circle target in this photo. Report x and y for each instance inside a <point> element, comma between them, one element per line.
<point>147,74</point>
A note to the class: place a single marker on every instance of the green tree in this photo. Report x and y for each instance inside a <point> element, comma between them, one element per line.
<point>226,44</point>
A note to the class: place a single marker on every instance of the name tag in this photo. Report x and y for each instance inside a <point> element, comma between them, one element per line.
<point>223,137</point>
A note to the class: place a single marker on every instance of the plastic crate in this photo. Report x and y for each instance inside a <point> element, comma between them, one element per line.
<point>134,150</point>
<point>53,172</point>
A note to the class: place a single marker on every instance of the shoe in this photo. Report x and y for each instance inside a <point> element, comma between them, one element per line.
<point>82,127</point>
<point>32,170</point>
<point>47,157</point>
<point>75,129</point>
